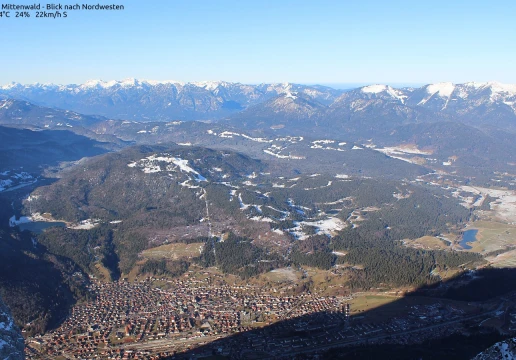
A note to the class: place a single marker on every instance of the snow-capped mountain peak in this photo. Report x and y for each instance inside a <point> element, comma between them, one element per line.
<point>10,86</point>
<point>444,89</point>
<point>125,83</point>
<point>387,90</point>
<point>374,89</point>
<point>92,84</point>
<point>210,85</point>
<point>494,86</point>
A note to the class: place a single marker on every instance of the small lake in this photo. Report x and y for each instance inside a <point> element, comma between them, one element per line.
<point>38,226</point>
<point>468,237</point>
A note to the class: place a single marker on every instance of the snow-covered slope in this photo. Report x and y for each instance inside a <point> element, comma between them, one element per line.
<point>11,340</point>
<point>505,350</point>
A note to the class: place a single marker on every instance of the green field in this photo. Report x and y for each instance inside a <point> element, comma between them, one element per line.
<point>282,275</point>
<point>365,302</point>
<point>174,251</point>
<point>382,307</point>
<point>505,260</point>
<point>493,236</point>
<point>428,242</point>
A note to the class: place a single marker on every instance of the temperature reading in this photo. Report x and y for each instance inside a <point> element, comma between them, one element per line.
<point>51,11</point>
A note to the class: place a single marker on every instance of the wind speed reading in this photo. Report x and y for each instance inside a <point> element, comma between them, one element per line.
<point>51,11</point>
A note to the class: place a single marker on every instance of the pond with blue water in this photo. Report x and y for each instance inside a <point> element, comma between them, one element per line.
<point>468,237</point>
<point>38,226</point>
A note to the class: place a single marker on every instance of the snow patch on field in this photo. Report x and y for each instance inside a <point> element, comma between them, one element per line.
<point>322,144</point>
<point>262,218</point>
<point>399,152</point>
<point>228,134</point>
<point>152,164</point>
<point>403,150</point>
<point>400,195</point>
<point>231,135</point>
<point>187,184</point>
<point>242,205</point>
<point>31,218</point>
<point>16,180</point>
<point>22,220</point>
<point>85,224</point>
<point>279,156</point>
<point>290,139</point>
<point>262,140</point>
<point>284,213</point>
<point>505,204</point>
<point>320,187</point>
<point>326,226</point>
<point>338,253</point>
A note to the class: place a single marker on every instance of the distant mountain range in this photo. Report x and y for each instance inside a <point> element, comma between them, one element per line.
<point>378,107</point>
<point>277,105</point>
<point>146,100</point>
<point>472,123</point>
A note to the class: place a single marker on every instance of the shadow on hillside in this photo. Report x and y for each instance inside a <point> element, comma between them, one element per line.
<point>38,149</point>
<point>37,287</point>
<point>439,322</point>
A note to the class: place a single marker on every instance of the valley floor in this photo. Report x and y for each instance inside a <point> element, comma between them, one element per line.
<point>201,314</point>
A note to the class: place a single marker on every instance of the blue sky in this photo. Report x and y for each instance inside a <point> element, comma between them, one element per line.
<point>360,42</point>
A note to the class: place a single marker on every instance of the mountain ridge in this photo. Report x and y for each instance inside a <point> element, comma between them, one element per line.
<point>154,100</point>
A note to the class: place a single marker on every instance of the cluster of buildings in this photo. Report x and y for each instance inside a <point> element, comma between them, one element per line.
<point>192,318</point>
<point>122,316</point>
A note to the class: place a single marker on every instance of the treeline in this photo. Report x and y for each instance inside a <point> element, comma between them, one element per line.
<point>107,188</point>
<point>116,250</point>
<point>321,260</point>
<point>164,267</point>
<point>377,261</point>
<point>237,255</point>
<point>314,252</point>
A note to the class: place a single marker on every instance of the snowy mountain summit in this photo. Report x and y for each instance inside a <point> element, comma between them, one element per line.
<point>169,100</point>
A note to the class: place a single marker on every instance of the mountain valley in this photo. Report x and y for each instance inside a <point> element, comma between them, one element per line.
<point>275,204</point>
